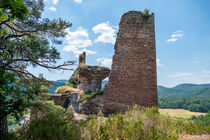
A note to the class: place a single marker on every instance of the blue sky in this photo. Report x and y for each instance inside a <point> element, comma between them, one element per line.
<point>182,35</point>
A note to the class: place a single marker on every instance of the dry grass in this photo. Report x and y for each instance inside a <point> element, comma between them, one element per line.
<point>180,113</point>
<point>64,89</point>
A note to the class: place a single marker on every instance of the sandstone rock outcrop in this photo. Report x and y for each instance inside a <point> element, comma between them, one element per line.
<point>133,76</point>
<point>88,77</point>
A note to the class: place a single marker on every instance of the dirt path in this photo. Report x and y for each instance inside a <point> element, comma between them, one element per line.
<point>195,137</point>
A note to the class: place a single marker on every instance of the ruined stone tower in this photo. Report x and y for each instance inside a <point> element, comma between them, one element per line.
<point>87,77</point>
<point>82,58</point>
<point>133,76</point>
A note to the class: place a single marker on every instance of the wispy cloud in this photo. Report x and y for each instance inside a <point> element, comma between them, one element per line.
<point>54,3</point>
<point>175,36</point>
<point>195,62</point>
<point>78,41</point>
<point>106,32</point>
<point>158,63</point>
<point>202,78</point>
<point>206,73</point>
<point>172,40</point>
<point>180,74</point>
<point>78,1</point>
<point>52,9</point>
<point>107,62</point>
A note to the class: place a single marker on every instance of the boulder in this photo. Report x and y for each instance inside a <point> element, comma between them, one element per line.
<point>113,108</point>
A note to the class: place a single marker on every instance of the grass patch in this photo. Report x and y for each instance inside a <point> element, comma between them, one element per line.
<point>180,113</point>
<point>65,89</point>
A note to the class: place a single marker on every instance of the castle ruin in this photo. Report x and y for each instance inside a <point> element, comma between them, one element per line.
<point>133,75</point>
<point>132,79</point>
<point>87,77</point>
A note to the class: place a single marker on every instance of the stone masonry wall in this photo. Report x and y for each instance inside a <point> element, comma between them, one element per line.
<point>59,99</point>
<point>133,76</point>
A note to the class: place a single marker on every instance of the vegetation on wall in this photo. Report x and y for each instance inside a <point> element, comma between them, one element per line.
<point>71,84</point>
<point>89,94</point>
<point>145,14</point>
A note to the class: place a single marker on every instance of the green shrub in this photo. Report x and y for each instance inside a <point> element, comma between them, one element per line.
<point>145,14</point>
<point>200,123</point>
<point>145,123</point>
<point>88,94</point>
<point>136,123</point>
<point>54,125</point>
<point>71,84</point>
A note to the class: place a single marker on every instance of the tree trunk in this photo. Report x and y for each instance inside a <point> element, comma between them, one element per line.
<point>3,126</point>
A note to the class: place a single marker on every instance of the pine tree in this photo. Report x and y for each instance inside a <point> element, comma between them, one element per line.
<point>26,39</point>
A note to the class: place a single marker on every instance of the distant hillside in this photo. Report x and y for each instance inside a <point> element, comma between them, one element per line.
<point>193,97</point>
<point>186,90</point>
<point>58,82</point>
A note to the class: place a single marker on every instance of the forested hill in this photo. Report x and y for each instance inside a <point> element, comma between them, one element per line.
<point>192,97</point>
<point>186,90</point>
<point>58,82</point>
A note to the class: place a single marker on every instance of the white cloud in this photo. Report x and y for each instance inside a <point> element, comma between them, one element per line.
<point>52,9</point>
<point>78,1</point>
<point>172,40</point>
<point>55,1</point>
<point>106,33</point>
<point>77,41</point>
<point>179,78</point>
<point>175,36</point>
<point>158,63</point>
<point>181,74</point>
<point>87,51</point>
<point>107,62</point>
